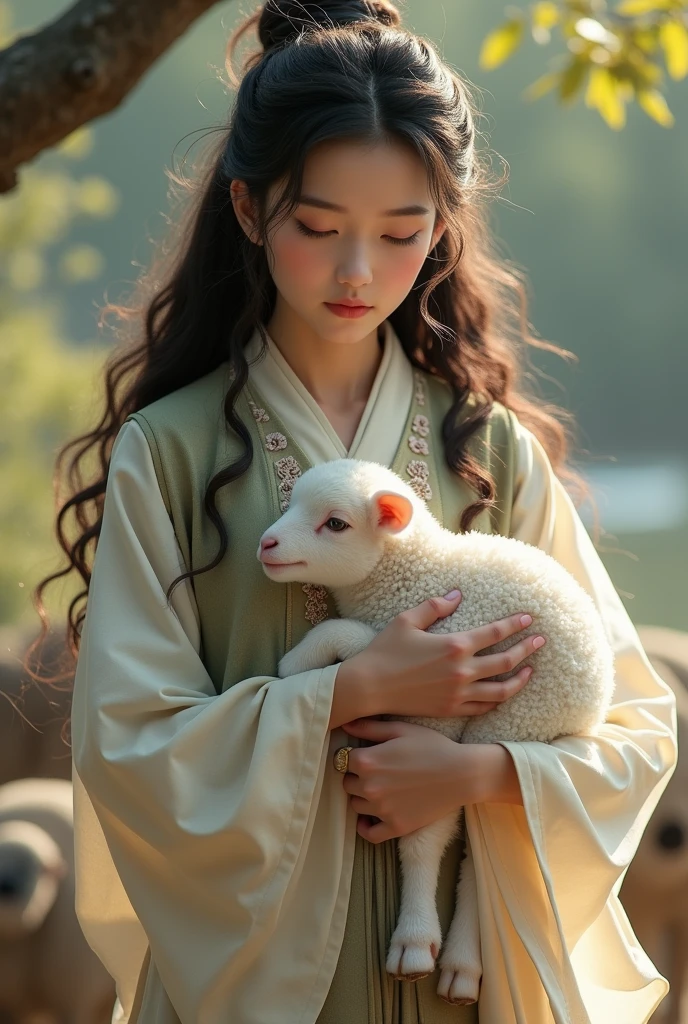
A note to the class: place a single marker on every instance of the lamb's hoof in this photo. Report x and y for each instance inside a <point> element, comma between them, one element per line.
<point>459,988</point>
<point>411,961</point>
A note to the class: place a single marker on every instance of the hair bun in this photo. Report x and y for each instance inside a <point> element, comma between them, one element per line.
<point>282,20</point>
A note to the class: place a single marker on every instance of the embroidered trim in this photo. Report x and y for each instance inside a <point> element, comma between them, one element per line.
<point>275,442</point>
<point>316,603</point>
<point>418,446</point>
<point>288,472</point>
<point>419,395</point>
<point>421,425</point>
<point>259,415</point>
<point>419,473</point>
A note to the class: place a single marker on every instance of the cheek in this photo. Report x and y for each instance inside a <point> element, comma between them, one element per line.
<point>401,268</point>
<point>298,266</point>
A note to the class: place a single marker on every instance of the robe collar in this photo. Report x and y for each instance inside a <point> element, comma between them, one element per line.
<point>384,417</point>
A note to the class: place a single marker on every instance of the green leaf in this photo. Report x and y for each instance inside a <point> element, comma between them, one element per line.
<point>499,45</point>
<point>603,94</point>
<point>541,86</point>
<point>571,80</point>
<point>636,7</point>
<point>655,106</point>
<point>673,36</point>
<point>545,14</point>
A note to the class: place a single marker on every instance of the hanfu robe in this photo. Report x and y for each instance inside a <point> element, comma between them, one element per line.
<point>219,874</point>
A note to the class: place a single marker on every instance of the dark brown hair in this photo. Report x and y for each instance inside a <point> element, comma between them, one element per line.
<point>337,69</point>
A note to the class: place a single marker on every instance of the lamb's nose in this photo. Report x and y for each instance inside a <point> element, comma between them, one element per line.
<point>266,543</point>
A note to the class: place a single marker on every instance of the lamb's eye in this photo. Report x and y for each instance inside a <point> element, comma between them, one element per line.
<point>336,525</point>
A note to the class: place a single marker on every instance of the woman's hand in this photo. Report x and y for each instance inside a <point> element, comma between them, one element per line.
<point>407,671</point>
<point>414,776</point>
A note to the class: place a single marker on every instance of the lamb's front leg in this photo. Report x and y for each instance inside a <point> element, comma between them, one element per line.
<point>461,961</point>
<point>330,641</point>
<point>417,937</point>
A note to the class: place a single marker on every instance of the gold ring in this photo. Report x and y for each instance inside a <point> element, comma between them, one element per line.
<point>341,759</point>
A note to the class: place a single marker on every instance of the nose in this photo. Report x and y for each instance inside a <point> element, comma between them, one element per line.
<point>355,269</point>
<point>267,543</point>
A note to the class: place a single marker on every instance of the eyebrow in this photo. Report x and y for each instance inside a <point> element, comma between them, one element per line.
<point>402,211</point>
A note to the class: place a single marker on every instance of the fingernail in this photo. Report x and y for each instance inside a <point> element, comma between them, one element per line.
<point>538,642</point>
<point>452,594</point>
<point>526,620</point>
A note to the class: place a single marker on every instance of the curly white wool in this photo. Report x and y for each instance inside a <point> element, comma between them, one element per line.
<point>573,674</point>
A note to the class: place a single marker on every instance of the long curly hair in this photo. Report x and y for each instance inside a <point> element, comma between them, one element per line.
<point>337,69</point>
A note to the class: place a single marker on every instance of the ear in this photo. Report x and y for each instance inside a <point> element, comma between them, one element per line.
<point>392,511</point>
<point>437,232</point>
<point>244,208</point>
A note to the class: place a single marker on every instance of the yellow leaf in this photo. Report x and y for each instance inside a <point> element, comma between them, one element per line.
<point>500,44</point>
<point>96,197</point>
<point>26,269</point>
<point>655,106</point>
<point>81,263</point>
<point>604,95</point>
<point>78,144</point>
<point>7,35</point>
<point>635,7</point>
<point>673,36</point>
<point>572,79</point>
<point>541,87</point>
<point>545,14</point>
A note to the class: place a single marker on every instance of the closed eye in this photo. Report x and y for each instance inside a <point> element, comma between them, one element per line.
<point>323,234</point>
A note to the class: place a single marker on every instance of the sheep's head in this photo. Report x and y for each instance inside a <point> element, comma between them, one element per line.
<point>341,516</point>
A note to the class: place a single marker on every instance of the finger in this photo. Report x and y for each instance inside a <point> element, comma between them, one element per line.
<point>352,784</point>
<point>495,691</point>
<point>375,831</point>
<point>485,636</point>
<point>373,729</point>
<point>485,665</point>
<point>423,615</point>
<point>361,806</point>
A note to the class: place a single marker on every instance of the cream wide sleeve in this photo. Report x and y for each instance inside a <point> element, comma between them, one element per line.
<point>557,945</point>
<point>204,802</point>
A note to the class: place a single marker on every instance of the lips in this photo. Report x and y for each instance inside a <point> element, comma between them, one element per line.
<point>346,310</point>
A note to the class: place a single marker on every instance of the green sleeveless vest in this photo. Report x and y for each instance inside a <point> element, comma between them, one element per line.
<point>189,444</point>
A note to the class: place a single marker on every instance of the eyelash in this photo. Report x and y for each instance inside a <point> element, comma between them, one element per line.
<point>323,234</point>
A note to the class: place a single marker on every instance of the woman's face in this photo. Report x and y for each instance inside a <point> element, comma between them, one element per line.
<point>363,229</point>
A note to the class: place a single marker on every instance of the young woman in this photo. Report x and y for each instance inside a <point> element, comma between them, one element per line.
<point>332,293</point>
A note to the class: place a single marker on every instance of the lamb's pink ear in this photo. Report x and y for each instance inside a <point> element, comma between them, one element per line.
<point>393,511</point>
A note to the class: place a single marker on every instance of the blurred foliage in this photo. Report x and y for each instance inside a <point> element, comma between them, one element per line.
<point>47,385</point>
<point>611,57</point>
<point>46,391</point>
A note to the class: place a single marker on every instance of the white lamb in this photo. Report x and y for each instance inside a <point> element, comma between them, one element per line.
<point>358,529</point>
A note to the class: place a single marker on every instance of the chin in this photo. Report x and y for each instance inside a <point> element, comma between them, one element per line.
<point>283,574</point>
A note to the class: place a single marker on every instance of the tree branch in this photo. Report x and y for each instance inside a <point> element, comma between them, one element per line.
<point>78,68</point>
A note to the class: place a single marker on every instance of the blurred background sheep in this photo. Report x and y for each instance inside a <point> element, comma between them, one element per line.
<point>655,890</point>
<point>48,973</point>
<point>47,970</point>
